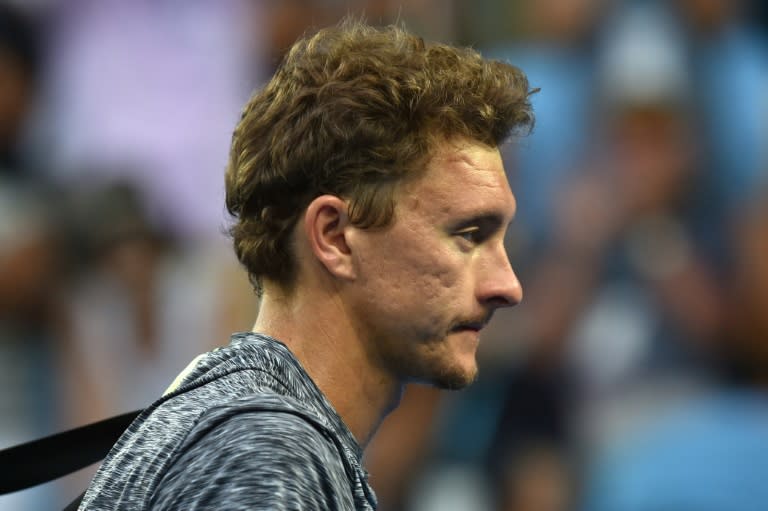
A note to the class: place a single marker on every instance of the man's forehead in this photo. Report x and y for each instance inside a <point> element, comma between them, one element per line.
<point>461,150</point>
<point>468,165</point>
<point>460,177</point>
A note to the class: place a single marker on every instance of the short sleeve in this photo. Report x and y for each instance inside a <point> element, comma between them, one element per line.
<point>256,460</point>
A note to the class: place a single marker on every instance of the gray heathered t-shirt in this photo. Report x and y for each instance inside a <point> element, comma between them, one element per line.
<point>244,428</point>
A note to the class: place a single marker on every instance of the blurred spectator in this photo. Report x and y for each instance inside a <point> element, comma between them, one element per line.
<point>141,307</point>
<point>555,46</point>
<point>30,271</point>
<point>30,287</point>
<point>399,452</point>
<point>536,480</point>
<point>621,290</point>
<point>729,62</point>
<point>291,19</point>
<point>153,88</point>
<point>19,77</point>
<point>742,353</point>
<point>708,453</point>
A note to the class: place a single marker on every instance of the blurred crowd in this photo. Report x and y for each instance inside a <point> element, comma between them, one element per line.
<point>634,375</point>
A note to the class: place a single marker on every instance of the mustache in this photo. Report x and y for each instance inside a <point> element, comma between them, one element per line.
<point>473,323</point>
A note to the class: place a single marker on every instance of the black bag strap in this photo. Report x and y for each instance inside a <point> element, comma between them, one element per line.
<point>39,461</point>
<point>75,504</point>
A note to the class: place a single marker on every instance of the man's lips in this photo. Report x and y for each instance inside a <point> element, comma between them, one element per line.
<point>473,326</point>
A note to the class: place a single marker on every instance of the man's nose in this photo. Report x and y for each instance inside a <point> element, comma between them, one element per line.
<point>498,285</point>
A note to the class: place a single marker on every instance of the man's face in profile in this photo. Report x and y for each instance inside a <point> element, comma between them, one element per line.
<point>431,280</point>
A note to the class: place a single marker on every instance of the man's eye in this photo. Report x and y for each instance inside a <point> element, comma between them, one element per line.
<point>471,234</point>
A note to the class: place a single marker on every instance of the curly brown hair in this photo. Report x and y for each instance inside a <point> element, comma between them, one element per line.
<point>352,111</point>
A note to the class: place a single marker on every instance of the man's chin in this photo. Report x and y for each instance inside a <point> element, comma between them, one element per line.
<point>455,379</point>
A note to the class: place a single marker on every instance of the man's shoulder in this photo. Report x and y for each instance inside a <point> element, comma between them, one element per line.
<point>263,413</point>
<point>265,421</point>
<point>255,449</point>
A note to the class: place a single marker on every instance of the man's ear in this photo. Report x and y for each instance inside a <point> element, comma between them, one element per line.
<point>325,225</point>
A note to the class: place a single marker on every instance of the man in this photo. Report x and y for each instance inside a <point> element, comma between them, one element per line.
<point>370,206</point>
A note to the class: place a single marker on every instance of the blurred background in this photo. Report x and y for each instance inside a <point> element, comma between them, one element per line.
<point>633,377</point>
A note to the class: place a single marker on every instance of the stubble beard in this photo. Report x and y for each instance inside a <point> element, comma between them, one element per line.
<point>434,367</point>
<point>454,379</point>
<point>452,375</point>
<point>446,374</point>
<point>442,374</point>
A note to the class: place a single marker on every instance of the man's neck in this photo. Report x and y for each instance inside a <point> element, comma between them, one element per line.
<point>318,332</point>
